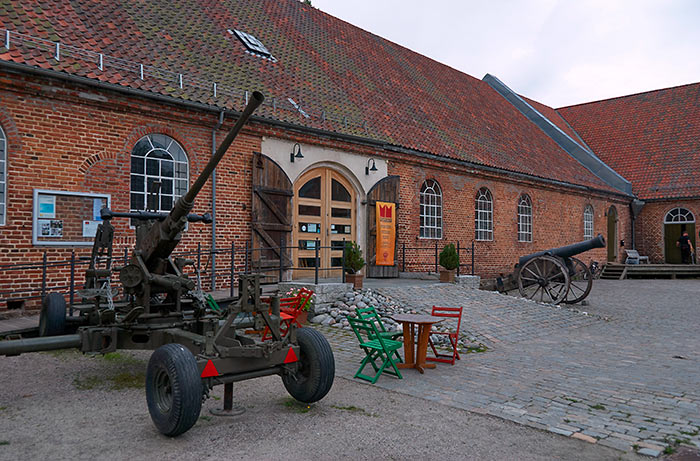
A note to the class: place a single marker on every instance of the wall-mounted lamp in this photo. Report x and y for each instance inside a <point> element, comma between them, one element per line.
<point>296,153</point>
<point>368,169</point>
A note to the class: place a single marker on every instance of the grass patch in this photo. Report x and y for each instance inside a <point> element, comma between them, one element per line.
<point>62,354</point>
<point>119,381</point>
<point>216,397</point>
<point>475,349</point>
<point>635,447</point>
<point>3,408</point>
<point>205,418</point>
<point>597,406</point>
<point>122,358</point>
<point>571,400</point>
<point>4,442</point>
<point>296,406</point>
<point>669,450</point>
<point>692,434</point>
<point>353,409</point>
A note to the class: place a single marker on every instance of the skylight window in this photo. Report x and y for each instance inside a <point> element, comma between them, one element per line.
<point>252,44</point>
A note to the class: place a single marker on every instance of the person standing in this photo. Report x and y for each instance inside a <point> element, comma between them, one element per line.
<point>686,247</point>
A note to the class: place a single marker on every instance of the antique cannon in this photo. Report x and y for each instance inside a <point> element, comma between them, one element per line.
<point>555,275</point>
<point>199,342</point>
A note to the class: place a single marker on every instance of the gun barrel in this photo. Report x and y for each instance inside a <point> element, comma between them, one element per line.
<point>568,250</point>
<point>46,343</point>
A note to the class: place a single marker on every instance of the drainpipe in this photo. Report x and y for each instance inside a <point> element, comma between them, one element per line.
<point>213,203</point>
<point>636,208</point>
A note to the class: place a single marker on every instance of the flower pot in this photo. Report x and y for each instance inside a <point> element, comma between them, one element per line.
<point>355,279</point>
<point>447,276</point>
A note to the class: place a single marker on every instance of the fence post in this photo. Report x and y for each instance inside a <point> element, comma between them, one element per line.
<point>233,262</point>
<point>317,261</point>
<point>459,263</point>
<point>72,281</point>
<point>43,276</point>
<point>342,261</point>
<point>472,257</point>
<point>436,257</point>
<point>247,250</point>
<point>403,249</point>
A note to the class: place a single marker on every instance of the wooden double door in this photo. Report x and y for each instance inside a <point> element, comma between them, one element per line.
<point>324,214</point>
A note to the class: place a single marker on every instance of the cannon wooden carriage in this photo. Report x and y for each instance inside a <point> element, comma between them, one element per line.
<point>553,276</point>
<point>198,342</point>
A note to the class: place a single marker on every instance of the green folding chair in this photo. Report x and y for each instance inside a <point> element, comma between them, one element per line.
<point>370,313</point>
<point>378,351</point>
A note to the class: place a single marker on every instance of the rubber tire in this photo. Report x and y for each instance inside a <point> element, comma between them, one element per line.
<point>174,410</point>
<point>317,371</point>
<point>52,320</point>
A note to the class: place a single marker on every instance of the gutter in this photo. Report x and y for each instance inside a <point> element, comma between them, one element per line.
<point>23,68</point>
<point>213,202</point>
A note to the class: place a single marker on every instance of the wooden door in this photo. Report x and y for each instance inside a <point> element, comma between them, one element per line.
<point>271,217</point>
<point>386,190</point>
<point>324,215</point>
<point>671,234</point>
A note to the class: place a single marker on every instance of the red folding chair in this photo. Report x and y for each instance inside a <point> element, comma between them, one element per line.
<point>290,309</point>
<point>453,336</point>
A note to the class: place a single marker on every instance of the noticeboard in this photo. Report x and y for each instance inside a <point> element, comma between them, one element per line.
<point>66,218</point>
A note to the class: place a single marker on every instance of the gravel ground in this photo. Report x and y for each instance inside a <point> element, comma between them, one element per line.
<point>63,405</point>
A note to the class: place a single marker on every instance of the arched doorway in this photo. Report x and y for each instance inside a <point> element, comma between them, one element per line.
<point>676,222</point>
<point>612,233</point>
<point>324,215</point>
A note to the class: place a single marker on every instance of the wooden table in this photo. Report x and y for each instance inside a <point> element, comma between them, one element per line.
<point>416,359</point>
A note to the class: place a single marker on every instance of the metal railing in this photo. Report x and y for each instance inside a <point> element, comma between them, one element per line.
<point>36,279</point>
<point>416,260</point>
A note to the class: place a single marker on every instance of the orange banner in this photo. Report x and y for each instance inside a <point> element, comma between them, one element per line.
<point>386,233</point>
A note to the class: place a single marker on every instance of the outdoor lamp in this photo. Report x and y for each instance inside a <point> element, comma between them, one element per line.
<point>368,169</point>
<point>292,155</point>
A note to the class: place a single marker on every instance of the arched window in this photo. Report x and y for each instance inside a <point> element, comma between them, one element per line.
<point>431,210</point>
<point>524,219</point>
<point>679,216</point>
<point>484,215</point>
<point>588,222</point>
<point>3,177</point>
<point>157,157</point>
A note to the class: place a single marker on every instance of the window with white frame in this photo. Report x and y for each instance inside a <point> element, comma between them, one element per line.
<point>484,215</point>
<point>431,210</point>
<point>3,177</point>
<point>588,222</point>
<point>679,215</point>
<point>524,219</point>
<point>157,157</point>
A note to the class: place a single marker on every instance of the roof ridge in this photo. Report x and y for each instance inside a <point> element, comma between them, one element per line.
<point>627,96</point>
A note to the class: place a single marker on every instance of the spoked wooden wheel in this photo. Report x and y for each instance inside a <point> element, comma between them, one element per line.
<point>581,282</point>
<point>544,279</point>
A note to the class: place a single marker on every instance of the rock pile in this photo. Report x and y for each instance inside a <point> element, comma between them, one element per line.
<point>335,315</point>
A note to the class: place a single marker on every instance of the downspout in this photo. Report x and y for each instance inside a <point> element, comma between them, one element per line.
<point>636,208</point>
<point>213,203</point>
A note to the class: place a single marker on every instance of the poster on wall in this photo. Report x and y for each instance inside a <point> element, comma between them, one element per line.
<point>47,206</point>
<point>386,233</point>
<point>50,228</point>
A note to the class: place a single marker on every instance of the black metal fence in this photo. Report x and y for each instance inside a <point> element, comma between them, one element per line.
<point>217,269</point>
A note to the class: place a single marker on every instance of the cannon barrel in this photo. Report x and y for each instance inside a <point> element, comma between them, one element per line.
<point>46,343</point>
<point>568,250</point>
<point>164,236</point>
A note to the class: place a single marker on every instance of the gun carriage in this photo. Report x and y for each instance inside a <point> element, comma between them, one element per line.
<point>198,342</point>
<point>553,276</point>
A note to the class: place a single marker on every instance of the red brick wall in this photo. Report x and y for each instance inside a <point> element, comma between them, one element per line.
<point>557,217</point>
<point>70,138</point>
<point>649,226</point>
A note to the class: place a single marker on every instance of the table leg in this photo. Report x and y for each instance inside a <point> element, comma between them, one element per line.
<point>423,335</point>
<point>408,347</point>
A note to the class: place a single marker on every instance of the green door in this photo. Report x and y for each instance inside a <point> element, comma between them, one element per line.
<point>671,234</point>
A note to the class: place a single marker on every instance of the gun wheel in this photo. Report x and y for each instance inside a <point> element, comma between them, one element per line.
<point>52,320</point>
<point>544,279</point>
<point>581,282</point>
<point>316,371</point>
<point>173,389</point>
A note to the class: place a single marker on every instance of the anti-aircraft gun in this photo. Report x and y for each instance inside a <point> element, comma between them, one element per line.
<point>553,275</point>
<point>199,342</point>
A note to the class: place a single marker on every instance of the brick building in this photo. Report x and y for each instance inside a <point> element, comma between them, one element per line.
<point>98,101</point>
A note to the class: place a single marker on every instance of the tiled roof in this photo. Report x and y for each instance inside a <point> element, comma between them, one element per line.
<point>652,138</point>
<point>344,79</point>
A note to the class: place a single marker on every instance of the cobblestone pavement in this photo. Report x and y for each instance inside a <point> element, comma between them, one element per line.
<point>623,374</point>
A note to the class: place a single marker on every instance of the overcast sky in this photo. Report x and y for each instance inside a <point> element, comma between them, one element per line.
<point>558,52</point>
